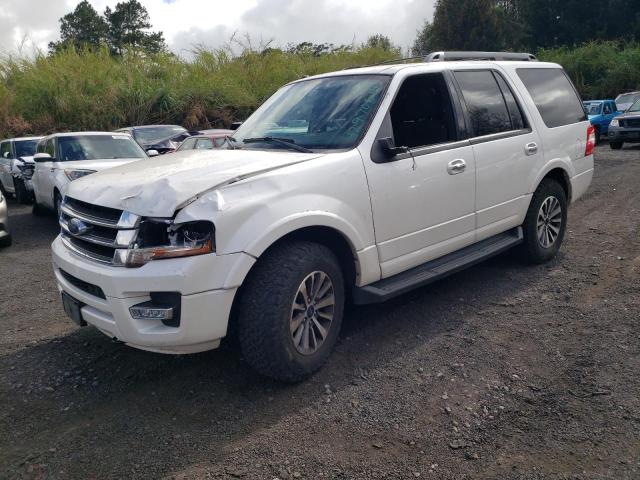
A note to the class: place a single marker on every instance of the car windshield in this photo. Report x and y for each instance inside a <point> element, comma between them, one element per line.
<point>627,98</point>
<point>94,147</point>
<point>593,108</point>
<point>26,148</point>
<point>635,107</point>
<point>153,134</point>
<point>325,113</point>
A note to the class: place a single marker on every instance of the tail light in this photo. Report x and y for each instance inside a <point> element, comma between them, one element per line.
<point>591,141</point>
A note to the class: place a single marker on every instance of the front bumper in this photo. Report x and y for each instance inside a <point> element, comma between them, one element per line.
<point>626,135</point>
<point>207,283</point>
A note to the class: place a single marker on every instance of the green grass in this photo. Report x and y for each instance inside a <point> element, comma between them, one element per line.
<point>96,91</point>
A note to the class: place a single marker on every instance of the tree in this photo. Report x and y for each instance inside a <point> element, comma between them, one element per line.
<point>381,42</point>
<point>128,23</point>
<point>82,28</point>
<point>423,42</point>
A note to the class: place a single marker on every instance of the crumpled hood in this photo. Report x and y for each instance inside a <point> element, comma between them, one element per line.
<point>28,160</point>
<point>158,186</point>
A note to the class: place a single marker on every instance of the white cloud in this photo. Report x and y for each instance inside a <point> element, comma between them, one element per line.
<point>186,23</point>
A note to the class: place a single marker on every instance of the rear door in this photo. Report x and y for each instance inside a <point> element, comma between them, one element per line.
<point>507,150</point>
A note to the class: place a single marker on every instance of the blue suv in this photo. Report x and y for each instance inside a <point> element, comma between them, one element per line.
<point>601,112</point>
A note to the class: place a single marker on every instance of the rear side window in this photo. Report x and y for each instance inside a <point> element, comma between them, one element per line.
<point>554,96</point>
<point>5,149</point>
<point>485,103</point>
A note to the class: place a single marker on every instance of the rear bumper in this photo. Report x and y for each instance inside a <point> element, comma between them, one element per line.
<point>206,291</point>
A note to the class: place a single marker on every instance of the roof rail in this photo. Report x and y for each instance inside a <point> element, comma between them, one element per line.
<point>458,56</point>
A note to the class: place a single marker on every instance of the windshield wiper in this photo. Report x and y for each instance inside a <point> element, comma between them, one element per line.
<point>285,142</point>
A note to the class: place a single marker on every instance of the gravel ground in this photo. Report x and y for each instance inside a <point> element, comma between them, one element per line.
<point>501,371</point>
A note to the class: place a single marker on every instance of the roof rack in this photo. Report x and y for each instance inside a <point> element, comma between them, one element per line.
<point>458,56</point>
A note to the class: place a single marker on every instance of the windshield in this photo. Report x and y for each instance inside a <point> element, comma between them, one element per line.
<point>326,113</point>
<point>153,134</point>
<point>635,107</point>
<point>593,108</point>
<point>627,98</point>
<point>94,147</point>
<point>25,148</point>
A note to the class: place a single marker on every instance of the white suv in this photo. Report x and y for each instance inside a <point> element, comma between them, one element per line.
<point>356,185</point>
<point>63,157</point>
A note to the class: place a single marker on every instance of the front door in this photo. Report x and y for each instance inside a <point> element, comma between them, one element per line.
<point>44,174</point>
<point>422,200</point>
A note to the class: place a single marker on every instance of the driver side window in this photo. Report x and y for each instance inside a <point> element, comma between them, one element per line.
<point>607,108</point>
<point>422,114</point>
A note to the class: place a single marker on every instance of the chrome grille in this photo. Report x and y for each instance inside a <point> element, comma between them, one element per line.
<point>96,232</point>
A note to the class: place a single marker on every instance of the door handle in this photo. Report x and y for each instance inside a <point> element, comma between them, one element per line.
<point>531,148</point>
<point>457,166</point>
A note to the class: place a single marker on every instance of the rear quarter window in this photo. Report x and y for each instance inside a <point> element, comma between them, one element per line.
<point>554,96</point>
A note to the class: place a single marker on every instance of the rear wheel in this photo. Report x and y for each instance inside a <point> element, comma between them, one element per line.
<point>615,145</point>
<point>545,223</point>
<point>22,194</point>
<point>6,241</point>
<point>598,136</point>
<point>290,311</point>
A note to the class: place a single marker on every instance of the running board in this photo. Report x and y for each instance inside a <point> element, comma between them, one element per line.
<point>426,273</point>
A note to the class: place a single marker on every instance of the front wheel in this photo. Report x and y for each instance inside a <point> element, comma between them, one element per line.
<point>290,310</point>
<point>545,223</point>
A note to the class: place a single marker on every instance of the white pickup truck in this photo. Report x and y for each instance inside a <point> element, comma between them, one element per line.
<point>356,185</point>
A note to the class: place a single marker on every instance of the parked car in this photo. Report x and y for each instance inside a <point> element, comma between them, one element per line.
<point>401,175</point>
<point>625,128</point>
<point>157,138</point>
<point>64,157</point>
<point>16,164</point>
<point>600,113</point>
<point>207,140</point>
<point>625,100</point>
<point>5,236</point>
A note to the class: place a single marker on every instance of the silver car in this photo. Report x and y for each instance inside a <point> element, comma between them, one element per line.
<point>5,236</point>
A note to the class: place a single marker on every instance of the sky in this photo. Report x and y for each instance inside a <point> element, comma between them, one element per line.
<point>29,24</point>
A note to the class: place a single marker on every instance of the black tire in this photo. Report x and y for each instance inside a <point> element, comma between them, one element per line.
<point>22,194</point>
<point>265,309</point>
<point>532,248</point>
<point>38,210</point>
<point>4,192</point>
<point>6,241</point>
<point>615,145</point>
<point>57,202</point>
<point>598,136</point>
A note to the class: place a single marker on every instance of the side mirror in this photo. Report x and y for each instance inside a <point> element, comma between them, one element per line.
<point>388,146</point>
<point>152,153</point>
<point>6,155</point>
<point>42,157</point>
<point>235,125</point>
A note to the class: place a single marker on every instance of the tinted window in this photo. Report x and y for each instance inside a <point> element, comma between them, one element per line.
<point>485,103</point>
<point>554,96</point>
<point>517,119</point>
<point>25,148</point>
<point>94,147</point>
<point>5,149</point>
<point>607,108</point>
<point>421,113</point>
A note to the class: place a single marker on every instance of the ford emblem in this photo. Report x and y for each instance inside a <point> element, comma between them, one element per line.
<point>77,227</point>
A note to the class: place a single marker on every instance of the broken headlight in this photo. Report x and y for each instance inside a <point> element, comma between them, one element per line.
<point>158,239</point>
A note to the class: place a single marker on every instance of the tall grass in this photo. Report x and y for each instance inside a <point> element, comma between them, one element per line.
<point>96,91</point>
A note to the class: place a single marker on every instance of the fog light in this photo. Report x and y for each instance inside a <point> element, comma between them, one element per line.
<point>163,306</point>
<point>149,311</point>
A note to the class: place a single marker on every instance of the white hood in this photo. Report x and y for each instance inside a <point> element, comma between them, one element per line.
<point>158,186</point>
<point>97,165</point>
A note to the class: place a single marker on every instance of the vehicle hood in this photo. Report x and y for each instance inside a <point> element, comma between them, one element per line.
<point>627,115</point>
<point>98,165</point>
<point>157,187</point>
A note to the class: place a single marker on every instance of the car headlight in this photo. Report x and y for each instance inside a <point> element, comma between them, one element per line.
<point>614,123</point>
<point>76,174</point>
<point>159,239</point>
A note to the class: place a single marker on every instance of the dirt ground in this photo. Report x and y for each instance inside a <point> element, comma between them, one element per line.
<point>501,371</point>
